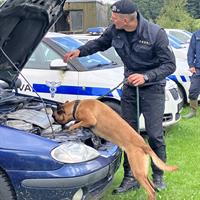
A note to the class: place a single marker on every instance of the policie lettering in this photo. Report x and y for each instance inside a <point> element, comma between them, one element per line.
<point>25,87</point>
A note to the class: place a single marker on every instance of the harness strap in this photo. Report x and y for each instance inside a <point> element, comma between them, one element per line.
<point>76,103</point>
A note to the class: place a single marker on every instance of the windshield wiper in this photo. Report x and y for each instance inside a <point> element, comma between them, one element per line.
<point>100,66</point>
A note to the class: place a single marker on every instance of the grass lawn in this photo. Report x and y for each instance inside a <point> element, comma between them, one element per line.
<point>183,141</point>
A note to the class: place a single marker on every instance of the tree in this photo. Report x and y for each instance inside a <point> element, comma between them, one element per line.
<point>149,9</point>
<point>1,2</point>
<point>174,15</point>
<point>193,7</point>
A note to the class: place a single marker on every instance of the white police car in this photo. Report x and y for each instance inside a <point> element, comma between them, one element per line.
<point>178,40</point>
<point>180,34</point>
<point>86,77</point>
<point>182,78</point>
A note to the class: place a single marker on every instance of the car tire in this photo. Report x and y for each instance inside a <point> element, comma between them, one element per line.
<point>115,106</point>
<point>6,190</point>
<point>182,94</point>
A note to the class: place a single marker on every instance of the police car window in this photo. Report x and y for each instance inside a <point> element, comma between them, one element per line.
<point>181,36</point>
<point>113,56</point>
<point>42,57</point>
<point>175,43</point>
<point>110,53</point>
<point>95,61</point>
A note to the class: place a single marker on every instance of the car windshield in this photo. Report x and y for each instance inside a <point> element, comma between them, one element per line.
<point>175,42</point>
<point>188,33</point>
<point>183,36</point>
<point>110,53</point>
<point>89,62</point>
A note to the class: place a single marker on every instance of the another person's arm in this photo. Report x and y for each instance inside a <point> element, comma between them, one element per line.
<point>191,55</point>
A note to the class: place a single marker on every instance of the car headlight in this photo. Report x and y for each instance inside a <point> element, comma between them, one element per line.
<point>74,152</point>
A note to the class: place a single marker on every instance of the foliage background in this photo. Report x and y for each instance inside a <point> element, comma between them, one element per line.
<point>183,14</point>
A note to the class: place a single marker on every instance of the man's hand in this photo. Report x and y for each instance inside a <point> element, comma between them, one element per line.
<point>70,55</point>
<point>193,70</point>
<point>136,79</point>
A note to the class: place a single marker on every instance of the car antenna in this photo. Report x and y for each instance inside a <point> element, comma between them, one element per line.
<point>10,61</point>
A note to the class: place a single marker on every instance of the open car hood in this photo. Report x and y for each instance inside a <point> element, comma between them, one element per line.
<point>23,25</point>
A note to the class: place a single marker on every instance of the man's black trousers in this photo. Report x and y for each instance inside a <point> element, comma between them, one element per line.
<point>151,105</point>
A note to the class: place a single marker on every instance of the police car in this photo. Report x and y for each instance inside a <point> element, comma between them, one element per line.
<point>182,35</point>
<point>182,78</point>
<point>87,77</point>
<point>178,40</point>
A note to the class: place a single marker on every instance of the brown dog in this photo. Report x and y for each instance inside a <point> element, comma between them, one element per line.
<point>107,124</point>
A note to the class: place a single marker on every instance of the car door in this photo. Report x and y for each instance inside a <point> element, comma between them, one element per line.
<point>99,81</point>
<point>49,83</point>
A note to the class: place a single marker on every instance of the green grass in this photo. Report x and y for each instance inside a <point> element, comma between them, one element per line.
<point>183,141</point>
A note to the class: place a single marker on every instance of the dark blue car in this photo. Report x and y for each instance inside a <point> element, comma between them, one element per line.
<point>40,159</point>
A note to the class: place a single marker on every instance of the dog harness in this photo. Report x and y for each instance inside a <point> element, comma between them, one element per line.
<point>75,107</point>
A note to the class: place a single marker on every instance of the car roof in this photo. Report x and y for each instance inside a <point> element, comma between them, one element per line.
<point>54,34</point>
<point>173,29</point>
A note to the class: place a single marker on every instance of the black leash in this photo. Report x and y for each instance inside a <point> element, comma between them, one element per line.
<point>44,105</point>
<point>138,99</point>
<point>138,109</point>
<point>123,82</point>
<point>107,93</point>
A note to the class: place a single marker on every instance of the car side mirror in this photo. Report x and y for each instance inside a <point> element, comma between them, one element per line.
<point>59,64</point>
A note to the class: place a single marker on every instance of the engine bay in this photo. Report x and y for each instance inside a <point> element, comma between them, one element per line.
<point>34,115</point>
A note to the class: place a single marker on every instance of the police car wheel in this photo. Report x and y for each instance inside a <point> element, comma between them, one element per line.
<point>115,106</point>
<point>6,190</point>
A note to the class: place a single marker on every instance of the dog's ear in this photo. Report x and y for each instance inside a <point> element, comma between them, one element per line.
<point>60,108</point>
<point>66,101</point>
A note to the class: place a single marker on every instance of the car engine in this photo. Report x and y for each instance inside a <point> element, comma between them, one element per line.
<point>34,115</point>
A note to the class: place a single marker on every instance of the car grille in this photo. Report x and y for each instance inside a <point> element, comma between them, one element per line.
<point>115,164</point>
<point>167,117</point>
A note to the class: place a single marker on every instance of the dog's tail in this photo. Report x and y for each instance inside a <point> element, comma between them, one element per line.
<point>157,161</point>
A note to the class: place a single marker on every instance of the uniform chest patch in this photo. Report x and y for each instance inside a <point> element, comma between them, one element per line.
<point>144,42</point>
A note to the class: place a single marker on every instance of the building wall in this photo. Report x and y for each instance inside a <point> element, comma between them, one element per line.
<point>95,14</point>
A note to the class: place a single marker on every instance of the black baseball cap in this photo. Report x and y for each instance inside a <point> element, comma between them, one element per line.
<point>124,7</point>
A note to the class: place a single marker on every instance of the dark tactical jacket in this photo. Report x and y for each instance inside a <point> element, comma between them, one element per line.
<point>148,52</point>
<point>194,50</point>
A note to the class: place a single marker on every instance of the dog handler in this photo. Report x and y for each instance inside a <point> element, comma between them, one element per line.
<point>144,50</point>
<point>193,58</point>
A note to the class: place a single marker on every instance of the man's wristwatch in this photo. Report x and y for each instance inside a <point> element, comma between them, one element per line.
<point>146,78</point>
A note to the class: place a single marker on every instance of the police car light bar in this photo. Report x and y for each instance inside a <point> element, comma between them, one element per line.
<point>95,30</point>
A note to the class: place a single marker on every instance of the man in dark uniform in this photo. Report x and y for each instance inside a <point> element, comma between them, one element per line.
<point>148,60</point>
<point>193,58</point>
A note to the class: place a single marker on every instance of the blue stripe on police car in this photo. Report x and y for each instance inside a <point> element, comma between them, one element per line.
<point>74,90</point>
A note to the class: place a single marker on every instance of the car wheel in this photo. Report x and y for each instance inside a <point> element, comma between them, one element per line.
<point>6,190</point>
<point>115,106</point>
